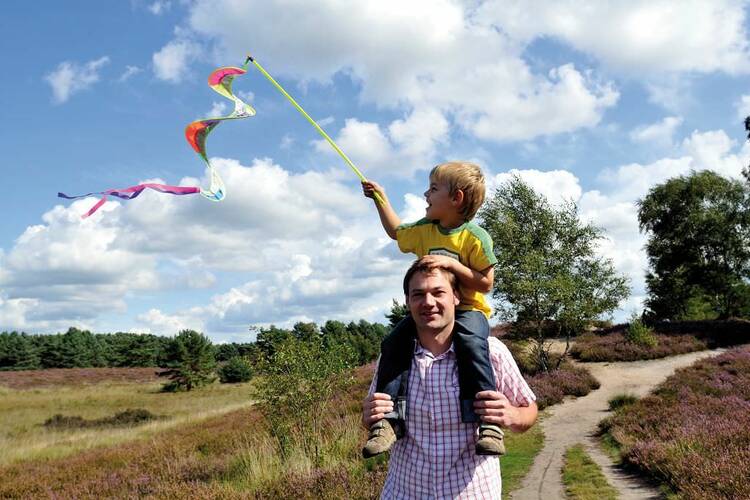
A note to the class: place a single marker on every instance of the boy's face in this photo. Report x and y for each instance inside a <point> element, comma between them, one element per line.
<point>440,203</point>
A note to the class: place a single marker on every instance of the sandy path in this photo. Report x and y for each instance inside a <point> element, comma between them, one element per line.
<point>575,421</point>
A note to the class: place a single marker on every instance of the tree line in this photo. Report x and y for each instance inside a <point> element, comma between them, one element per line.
<point>83,349</point>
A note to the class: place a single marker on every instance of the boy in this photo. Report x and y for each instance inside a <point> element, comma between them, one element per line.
<point>443,238</point>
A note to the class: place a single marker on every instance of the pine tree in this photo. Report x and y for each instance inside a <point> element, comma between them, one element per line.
<point>190,362</point>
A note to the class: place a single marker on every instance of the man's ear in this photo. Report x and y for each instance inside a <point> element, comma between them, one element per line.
<point>456,298</point>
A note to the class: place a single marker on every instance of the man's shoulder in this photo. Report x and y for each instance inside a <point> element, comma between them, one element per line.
<point>497,347</point>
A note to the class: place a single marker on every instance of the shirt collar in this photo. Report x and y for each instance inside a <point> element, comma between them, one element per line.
<point>421,351</point>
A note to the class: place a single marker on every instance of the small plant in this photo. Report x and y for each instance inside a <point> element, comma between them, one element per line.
<point>640,334</point>
<point>236,370</point>
<point>622,400</point>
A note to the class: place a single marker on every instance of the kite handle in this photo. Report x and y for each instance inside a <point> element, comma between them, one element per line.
<point>314,124</point>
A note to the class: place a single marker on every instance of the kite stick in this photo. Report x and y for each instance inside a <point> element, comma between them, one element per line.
<point>314,124</point>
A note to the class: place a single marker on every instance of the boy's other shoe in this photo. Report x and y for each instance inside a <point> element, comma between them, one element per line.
<point>490,440</point>
<point>381,438</point>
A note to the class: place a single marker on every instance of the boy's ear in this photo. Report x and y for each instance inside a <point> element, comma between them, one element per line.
<point>458,197</point>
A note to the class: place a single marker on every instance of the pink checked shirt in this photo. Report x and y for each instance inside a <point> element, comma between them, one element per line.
<point>436,458</point>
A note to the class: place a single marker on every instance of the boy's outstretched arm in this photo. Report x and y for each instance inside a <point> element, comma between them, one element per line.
<point>388,216</point>
<point>480,281</point>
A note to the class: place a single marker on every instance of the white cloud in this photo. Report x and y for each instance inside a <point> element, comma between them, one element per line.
<point>155,320</point>
<point>408,144</point>
<point>651,36</point>
<point>171,62</point>
<point>218,109</point>
<point>449,63</point>
<point>556,185</point>
<point>659,134</point>
<point>159,7</point>
<point>286,142</point>
<point>129,72</point>
<point>70,78</point>
<point>743,107</point>
<point>414,208</point>
<point>302,244</point>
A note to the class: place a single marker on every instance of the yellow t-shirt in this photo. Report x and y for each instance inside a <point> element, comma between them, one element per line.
<point>468,243</point>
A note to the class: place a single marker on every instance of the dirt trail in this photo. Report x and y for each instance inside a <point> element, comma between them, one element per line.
<point>575,421</point>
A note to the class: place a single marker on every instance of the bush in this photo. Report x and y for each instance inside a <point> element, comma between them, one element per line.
<point>128,417</point>
<point>693,432</point>
<point>299,379</point>
<point>640,334</point>
<point>236,370</point>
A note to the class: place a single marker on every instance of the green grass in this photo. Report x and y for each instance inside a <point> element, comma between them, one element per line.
<point>23,413</point>
<point>583,478</point>
<point>621,400</point>
<point>521,451</point>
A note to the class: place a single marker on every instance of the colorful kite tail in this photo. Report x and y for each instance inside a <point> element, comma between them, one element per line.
<point>130,193</point>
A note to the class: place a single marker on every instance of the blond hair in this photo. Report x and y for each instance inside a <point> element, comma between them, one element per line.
<point>468,178</point>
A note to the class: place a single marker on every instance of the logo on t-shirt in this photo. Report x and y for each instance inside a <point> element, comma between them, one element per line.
<point>445,252</point>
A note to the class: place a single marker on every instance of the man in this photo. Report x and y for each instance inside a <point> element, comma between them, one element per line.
<point>436,458</point>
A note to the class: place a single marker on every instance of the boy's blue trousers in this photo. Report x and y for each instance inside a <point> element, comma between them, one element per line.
<point>475,374</point>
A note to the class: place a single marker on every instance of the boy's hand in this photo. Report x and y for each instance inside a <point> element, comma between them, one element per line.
<point>369,188</point>
<point>441,261</point>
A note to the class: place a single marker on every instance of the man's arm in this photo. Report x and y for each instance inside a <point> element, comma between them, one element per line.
<point>480,281</point>
<point>388,217</point>
<point>494,408</point>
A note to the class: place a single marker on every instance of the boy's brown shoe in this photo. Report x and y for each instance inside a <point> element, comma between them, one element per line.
<point>380,440</point>
<point>490,440</point>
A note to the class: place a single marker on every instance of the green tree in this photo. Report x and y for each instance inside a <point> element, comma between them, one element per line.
<point>190,362</point>
<point>548,271</point>
<point>698,247</point>
<point>225,352</point>
<point>235,370</point>
<point>268,338</point>
<point>398,312</point>
<point>18,352</point>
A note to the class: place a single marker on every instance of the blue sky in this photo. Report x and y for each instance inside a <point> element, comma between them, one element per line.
<point>590,101</point>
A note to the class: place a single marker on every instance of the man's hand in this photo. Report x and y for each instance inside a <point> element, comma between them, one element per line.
<point>369,188</point>
<point>375,407</point>
<point>439,261</point>
<point>494,408</point>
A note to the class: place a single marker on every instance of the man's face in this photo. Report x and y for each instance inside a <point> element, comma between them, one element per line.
<point>432,301</point>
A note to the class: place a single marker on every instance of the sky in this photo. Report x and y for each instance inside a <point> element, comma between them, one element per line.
<point>594,102</point>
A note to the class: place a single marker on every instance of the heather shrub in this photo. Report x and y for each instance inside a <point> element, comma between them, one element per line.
<point>639,334</point>
<point>551,387</point>
<point>615,347</point>
<point>135,416</point>
<point>235,370</point>
<point>693,432</point>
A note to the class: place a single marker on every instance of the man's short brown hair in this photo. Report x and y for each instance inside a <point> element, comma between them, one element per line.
<point>468,178</point>
<point>419,267</point>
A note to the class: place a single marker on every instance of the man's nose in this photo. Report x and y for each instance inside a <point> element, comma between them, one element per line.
<point>429,299</point>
